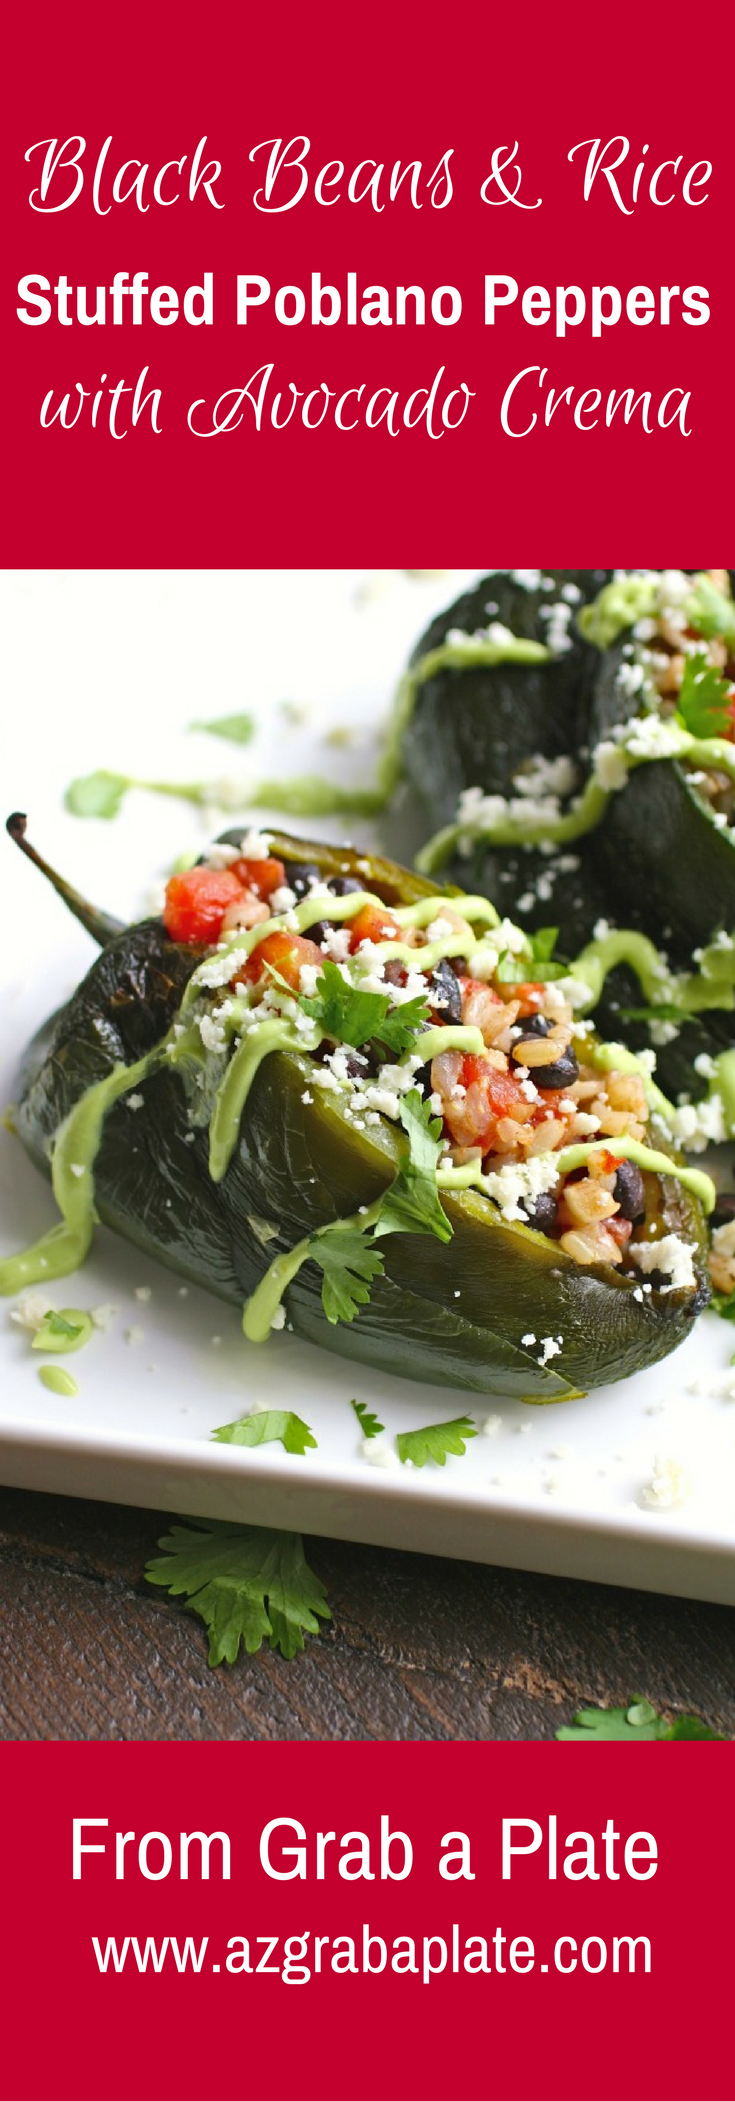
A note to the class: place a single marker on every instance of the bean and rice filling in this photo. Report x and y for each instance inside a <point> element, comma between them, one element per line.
<point>499,1057</point>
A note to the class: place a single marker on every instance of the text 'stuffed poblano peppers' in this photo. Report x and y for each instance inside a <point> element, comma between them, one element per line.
<point>352,1104</point>
<point>615,804</point>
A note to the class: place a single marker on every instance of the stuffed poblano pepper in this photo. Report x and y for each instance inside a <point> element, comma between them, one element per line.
<point>617,825</point>
<point>345,1100</point>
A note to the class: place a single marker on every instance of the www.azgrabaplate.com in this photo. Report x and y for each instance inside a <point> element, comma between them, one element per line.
<point>298,1958</point>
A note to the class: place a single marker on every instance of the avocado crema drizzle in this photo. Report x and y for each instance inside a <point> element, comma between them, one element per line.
<point>77,1141</point>
<point>638,742</point>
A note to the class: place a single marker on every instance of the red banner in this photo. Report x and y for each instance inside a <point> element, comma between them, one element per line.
<point>416,1920</point>
<point>280,289</point>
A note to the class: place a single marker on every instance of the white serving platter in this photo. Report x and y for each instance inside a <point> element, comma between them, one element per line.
<point>108,669</point>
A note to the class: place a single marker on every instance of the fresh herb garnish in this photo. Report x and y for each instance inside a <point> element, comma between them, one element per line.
<point>57,1332</point>
<point>237,729</point>
<point>347,1254</point>
<point>435,1441</point>
<point>353,1016</point>
<point>267,1427</point>
<point>535,962</point>
<point>247,1583</point>
<point>704,701</point>
<point>349,1263</point>
<point>412,1204</point>
<point>96,795</point>
<point>369,1424</point>
<point>638,1722</point>
<point>723,1303</point>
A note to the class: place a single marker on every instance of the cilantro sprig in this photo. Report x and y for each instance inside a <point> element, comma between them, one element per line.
<point>704,701</point>
<point>436,1441</point>
<point>370,1424</point>
<point>346,1253</point>
<point>267,1427</point>
<point>247,1583</point>
<point>639,1722</point>
<point>536,962</point>
<point>354,1017</point>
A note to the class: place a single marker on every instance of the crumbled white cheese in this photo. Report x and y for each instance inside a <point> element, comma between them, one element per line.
<point>255,846</point>
<point>282,899</point>
<point>609,766</point>
<point>672,1256</point>
<point>378,1453</point>
<point>550,1348</point>
<point>77,1168</point>
<point>528,1341</point>
<point>543,776</point>
<point>698,1125</point>
<point>220,855</point>
<point>670,1484</point>
<point>278,1319</point>
<point>522,1179</point>
<point>31,1310</point>
<point>558,616</point>
<point>102,1316</point>
<point>491,1426</point>
<point>134,1101</point>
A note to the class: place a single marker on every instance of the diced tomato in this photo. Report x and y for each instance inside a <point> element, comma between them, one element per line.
<point>610,1162</point>
<point>373,924</point>
<point>529,995</point>
<point>477,985</point>
<point>287,953</point>
<point>490,1095</point>
<point>619,1229</point>
<point>262,877</point>
<point>196,903</point>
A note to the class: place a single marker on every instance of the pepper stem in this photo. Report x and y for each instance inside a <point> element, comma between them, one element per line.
<point>100,925</point>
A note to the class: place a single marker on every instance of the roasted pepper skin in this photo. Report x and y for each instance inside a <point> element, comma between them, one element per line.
<point>475,726</point>
<point>156,1191</point>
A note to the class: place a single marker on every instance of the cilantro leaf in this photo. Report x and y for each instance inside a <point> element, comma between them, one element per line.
<point>435,1441</point>
<point>535,962</point>
<point>397,1031</point>
<point>352,1016</point>
<point>624,1725</point>
<point>412,1204</point>
<point>246,1582</point>
<point>368,1422</point>
<point>341,1009</point>
<point>349,1262</point>
<point>723,1303</point>
<point>267,1427</point>
<point>543,943</point>
<point>57,1325</point>
<point>704,699</point>
<point>96,795</point>
<point>237,729</point>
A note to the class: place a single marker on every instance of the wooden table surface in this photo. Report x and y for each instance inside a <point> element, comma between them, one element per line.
<point>418,1648</point>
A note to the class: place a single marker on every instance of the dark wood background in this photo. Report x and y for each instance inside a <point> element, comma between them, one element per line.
<point>418,1647</point>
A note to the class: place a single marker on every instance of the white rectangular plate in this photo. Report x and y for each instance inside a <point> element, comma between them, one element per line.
<point>109,669</point>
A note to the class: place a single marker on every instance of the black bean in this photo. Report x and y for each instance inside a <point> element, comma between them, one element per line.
<point>422,1080</point>
<point>629,1192</point>
<point>532,1025</point>
<point>342,886</point>
<point>359,1064</point>
<point>562,1074</point>
<point>445,992</point>
<point>394,972</point>
<point>541,1211</point>
<point>724,1210</point>
<point>300,875</point>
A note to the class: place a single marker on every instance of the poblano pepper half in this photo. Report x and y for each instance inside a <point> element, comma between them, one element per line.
<point>598,787</point>
<point>339,1097</point>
